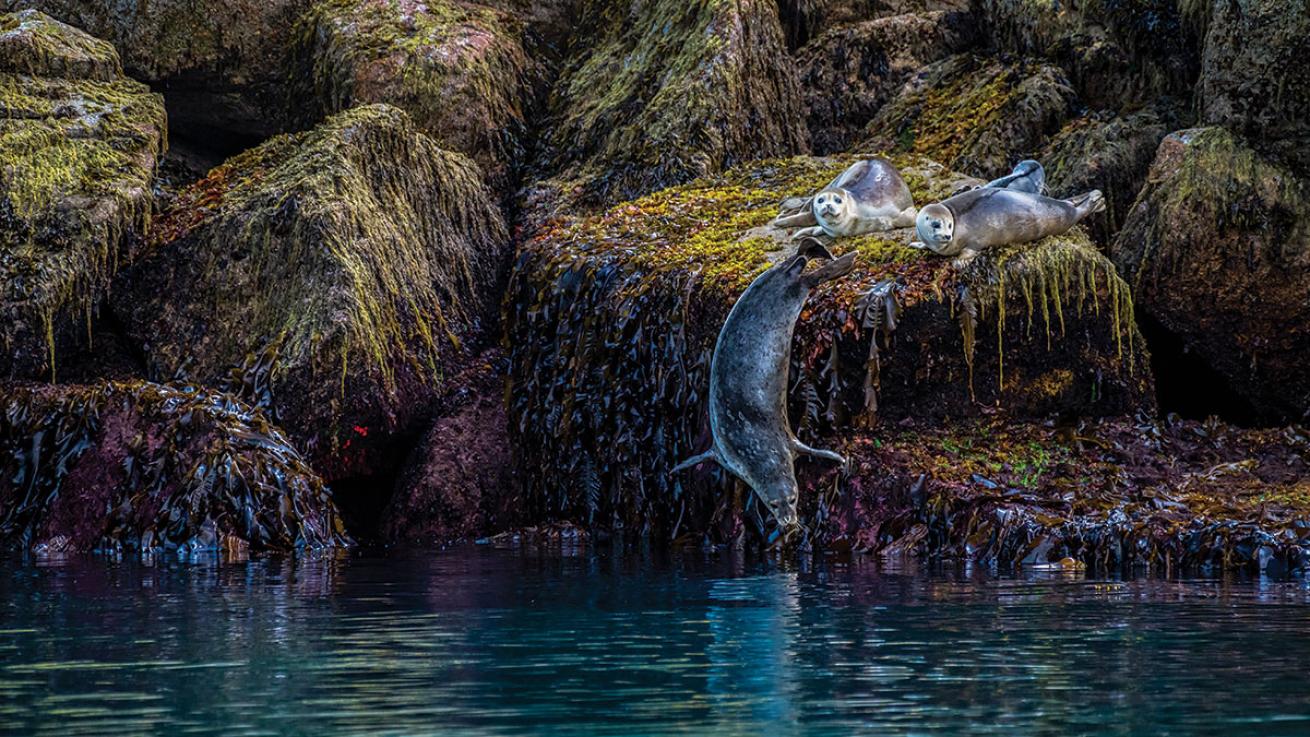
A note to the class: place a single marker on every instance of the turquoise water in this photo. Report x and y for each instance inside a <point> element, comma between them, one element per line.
<point>483,641</point>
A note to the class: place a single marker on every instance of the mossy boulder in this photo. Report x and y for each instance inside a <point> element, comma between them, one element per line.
<point>1110,152</point>
<point>1116,52</point>
<point>221,62</point>
<point>659,92</point>
<point>78,160</point>
<point>849,73</point>
<point>612,321</point>
<point>975,114</point>
<point>1217,248</point>
<point>1252,80</point>
<point>804,20</point>
<point>144,467</point>
<point>459,69</point>
<point>1114,494</point>
<point>336,276</point>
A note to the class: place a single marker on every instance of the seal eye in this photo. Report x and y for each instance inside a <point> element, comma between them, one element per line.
<point>837,200</point>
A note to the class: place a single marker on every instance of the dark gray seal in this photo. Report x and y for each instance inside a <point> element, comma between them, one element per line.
<point>972,221</point>
<point>748,382</point>
<point>1028,176</point>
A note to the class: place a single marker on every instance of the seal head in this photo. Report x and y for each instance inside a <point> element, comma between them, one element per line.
<point>935,226</point>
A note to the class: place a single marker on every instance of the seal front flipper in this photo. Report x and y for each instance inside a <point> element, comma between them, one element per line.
<point>816,452</point>
<point>696,460</point>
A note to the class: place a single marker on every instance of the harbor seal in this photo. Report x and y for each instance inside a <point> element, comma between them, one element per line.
<point>972,221</point>
<point>869,197</point>
<point>748,382</point>
<point>1028,176</point>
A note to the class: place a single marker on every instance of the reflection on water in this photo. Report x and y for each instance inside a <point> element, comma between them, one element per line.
<point>492,642</point>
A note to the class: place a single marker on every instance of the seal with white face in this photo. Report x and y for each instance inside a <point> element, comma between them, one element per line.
<point>972,221</point>
<point>869,197</point>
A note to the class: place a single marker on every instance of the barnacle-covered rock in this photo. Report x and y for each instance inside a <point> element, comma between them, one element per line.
<point>804,20</point>
<point>1113,494</point>
<point>1115,52</point>
<point>612,320</point>
<point>974,114</point>
<point>849,73</point>
<point>1252,78</point>
<point>140,466</point>
<point>459,69</point>
<point>658,92</point>
<point>1111,153</point>
<point>337,276</point>
<point>1217,249</point>
<point>222,62</point>
<point>77,158</point>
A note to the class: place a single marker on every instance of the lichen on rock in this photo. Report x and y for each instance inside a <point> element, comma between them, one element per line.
<point>336,276</point>
<point>143,467</point>
<point>612,320</point>
<point>805,20</point>
<point>79,157</point>
<point>974,114</point>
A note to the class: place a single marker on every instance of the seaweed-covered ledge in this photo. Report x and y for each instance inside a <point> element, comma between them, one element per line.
<point>79,144</point>
<point>612,319</point>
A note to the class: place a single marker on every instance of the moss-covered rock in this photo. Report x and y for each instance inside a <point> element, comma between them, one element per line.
<point>457,68</point>
<point>336,276</point>
<point>612,321</point>
<point>1112,494</point>
<point>77,158</point>
<point>139,466</point>
<point>1111,153</point>
<point>1217,248</point>
<point>221,61</point>
<point>848,73</point>
<point>1116,52</point>
<point>1252,80</point>
<point>804,20</point>
<point>658,92</point>
<point>975,114</point>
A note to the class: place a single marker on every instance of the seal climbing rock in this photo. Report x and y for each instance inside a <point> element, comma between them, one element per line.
<point>987,217</point>
<point>869,197</point>
<point>748,382</point>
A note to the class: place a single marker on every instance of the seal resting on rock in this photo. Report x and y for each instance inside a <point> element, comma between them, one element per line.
<point>1027,176</point>
<point>748,382</point>
<point>966,223</point>
<point>868,197</point>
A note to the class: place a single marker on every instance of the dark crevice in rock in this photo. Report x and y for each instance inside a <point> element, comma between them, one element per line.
<point>1185,385</point>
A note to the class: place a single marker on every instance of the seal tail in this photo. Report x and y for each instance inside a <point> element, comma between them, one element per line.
<point>696,460</point>
<point>1087,204</point>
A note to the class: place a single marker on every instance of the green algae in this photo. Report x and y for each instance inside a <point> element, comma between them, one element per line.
<point>36,45</point>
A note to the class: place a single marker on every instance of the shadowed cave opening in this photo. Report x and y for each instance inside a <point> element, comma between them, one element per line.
<point>1186,386</point>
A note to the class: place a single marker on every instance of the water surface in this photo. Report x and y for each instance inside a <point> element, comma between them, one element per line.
<point>483,641</point>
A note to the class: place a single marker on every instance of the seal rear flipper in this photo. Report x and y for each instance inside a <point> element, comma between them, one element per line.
<point>1087,204</point>
<point>817,452</point>
<point>696,460</point>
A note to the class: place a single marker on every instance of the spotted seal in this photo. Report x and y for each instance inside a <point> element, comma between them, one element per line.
<point>972,221</point>
<point>748,382</point>
<point>1027,176</point>
<point>869,197</point>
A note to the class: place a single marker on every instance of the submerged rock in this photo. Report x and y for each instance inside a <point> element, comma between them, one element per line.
<point>1217,249</point>
<point>142,467</point>
<point>850,72</point>
<point>337,277</point>
<point>221,61</point>
<point>974,114</point>
<point>1252,78</point>
<point>612,321</point>
<point>457,68</point>
<point>659,92</point>
<point>79,145</point>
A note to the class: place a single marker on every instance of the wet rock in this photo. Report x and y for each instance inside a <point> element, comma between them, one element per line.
<point>221,62</point>
<point>79,155</point>
<point>337,277</point>
<point>1109,152</point>
<point>657,93</point>
<point>459,69</point>
<point>1251,81</point>
<point>458,484</point>
<point>612,321</point>
<point>804,20</point>
<point>974,114</point>
<point>1217,249</point>
<point>1116,53</point>
<point>141,467</point>
<point>849,73</point>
